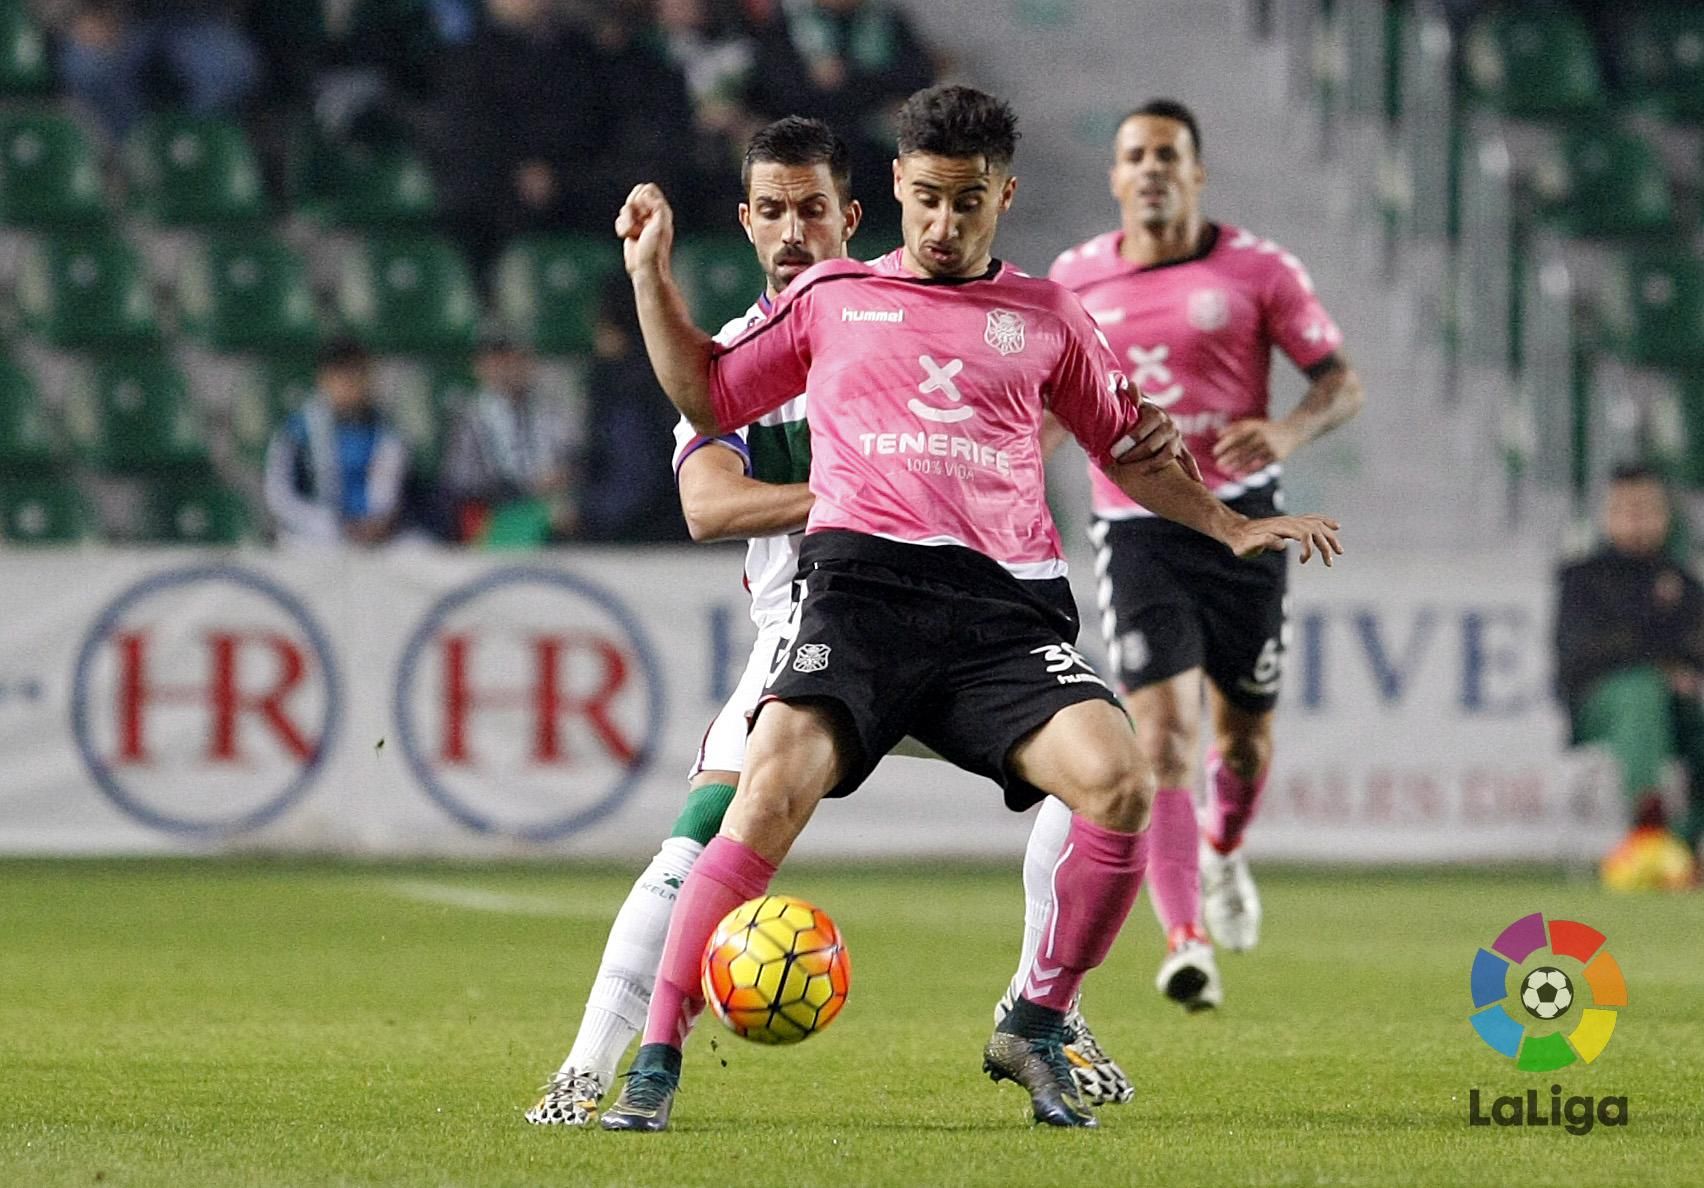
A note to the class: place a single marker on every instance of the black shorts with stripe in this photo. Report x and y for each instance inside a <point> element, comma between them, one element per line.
<point>938,642</point>
<point>1172,599</point>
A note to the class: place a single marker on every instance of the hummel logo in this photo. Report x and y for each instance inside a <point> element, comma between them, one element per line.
<point>872,315</point>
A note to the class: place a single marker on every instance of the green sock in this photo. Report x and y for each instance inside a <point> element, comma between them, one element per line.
<point>701,819</point>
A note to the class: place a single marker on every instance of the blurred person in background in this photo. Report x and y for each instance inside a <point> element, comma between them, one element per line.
<point>708,40</point>
<point>124,57</point>
<point>334,468</point>
<point>508,469</point>
<point>627,491</point>
<point>1630,651</point>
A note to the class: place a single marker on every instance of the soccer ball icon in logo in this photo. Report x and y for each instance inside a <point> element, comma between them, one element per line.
<point>776,970</point>
<point>1546,992</point>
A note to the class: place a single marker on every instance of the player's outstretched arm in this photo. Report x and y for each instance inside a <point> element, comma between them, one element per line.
<point>720,502</point>
<point>1178,497</point>
<point>680,352</point>
<point>1335,394</point>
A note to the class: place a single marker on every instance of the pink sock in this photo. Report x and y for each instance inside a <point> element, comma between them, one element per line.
<point>725,876</point>
<point>1232,803</point>
<point>1174,868</point>
<point>1094,883</point>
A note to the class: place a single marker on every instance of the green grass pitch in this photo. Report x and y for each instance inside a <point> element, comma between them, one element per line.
<point>176,1023</point>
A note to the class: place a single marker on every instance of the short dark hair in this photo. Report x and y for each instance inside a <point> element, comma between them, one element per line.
<point>341,353</point>
<point>952,121</point>
<point>1170,109</point>
<point>796,140</point>
<point>1635,472</point>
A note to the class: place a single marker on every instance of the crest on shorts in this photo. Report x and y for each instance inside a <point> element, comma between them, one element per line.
<point>811,657</point>
<point>1005,331</point>
<point>1209,310</point>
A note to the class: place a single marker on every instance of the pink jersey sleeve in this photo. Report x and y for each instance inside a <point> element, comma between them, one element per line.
<point>1295,319</point>
<point>766,366</point>
<point>1088,392</point>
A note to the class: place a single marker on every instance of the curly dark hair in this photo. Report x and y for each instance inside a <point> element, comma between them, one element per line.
<point>795,140</point>
<point>952,121</point>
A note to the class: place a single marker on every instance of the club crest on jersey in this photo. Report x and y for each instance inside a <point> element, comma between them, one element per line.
<point>1005,331</point>
<point>1209,310</point>
<point>811,657</point>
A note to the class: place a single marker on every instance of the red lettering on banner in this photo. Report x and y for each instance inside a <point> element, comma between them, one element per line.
<point>226,702</point>
<point>553,656</point>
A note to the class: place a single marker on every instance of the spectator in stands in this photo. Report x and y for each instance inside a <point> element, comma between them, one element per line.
<point>335,469</point>
<point>1630,650</point>
<point>627,492</point>
<point>508,468</point>
<point>123,57</point>
<point>709,42</point>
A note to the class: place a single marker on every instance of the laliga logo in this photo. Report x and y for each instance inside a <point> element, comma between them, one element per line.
<point>528,703</point>
<point>204,701</point>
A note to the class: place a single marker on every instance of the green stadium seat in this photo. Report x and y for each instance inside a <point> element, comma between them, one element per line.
<point>198,510</point>
<point>1601,182</point>
<point>42,509</point>
<point>26,441</point>
<point>1533,60</point>
<point>1653,311</point>
<point>1661,55</point>
<point>423,405</point>
<point>362,186</point>
<point>249,292</point>
<point>146,420</point>
<point>193,171</point>
<point>408,294</point>
<point>25,68</point>
<point>548,287</point>
<point>86,289</point>
<point>720,275</point>
<point>48,173</point>
<point>261,399</point>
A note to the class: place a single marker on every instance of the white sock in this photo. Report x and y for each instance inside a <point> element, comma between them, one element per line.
<point>1046,840</point>
<point>621,993</point>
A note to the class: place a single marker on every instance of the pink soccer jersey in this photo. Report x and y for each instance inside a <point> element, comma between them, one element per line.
<point>926,401</point>
<point>1196,337</point>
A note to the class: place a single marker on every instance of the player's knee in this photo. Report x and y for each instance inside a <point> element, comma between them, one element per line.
<point>1114,790</point>
<point>1247,752</point>
<point>1167,743</point>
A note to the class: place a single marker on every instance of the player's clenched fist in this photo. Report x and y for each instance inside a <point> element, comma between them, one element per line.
<point>645,227</point>
<point>1316,533</point>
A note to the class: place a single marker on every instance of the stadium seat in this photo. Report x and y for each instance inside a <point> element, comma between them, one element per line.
<point>1601,181</point>
<point>25,68</point>
<point>721,277</point>
<point>422,402</point>
<point>261,399</point>
<point>48,173</point>
<point>192,171</point>
<point>42,509</point>
<point>363,186</point>
<point>1533,60</point>
<point>408,294</point>
<point>26,441</point>
<point>86,289</point>
<point>249,292</point>
<point>146,420</point>
<point>1653,311</point>
<point>197,510</point>
<point>548,286</point>
<point>1661,54</point>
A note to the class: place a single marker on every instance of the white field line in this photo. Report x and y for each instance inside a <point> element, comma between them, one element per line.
<point>479,899</point>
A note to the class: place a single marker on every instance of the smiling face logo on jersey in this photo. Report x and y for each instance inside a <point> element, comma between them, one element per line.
<point>938,377</point>
<point>1005,331</point>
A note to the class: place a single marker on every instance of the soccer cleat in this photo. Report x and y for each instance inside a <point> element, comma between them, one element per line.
<point>648,1095</point>
<point>570,1099</point>
<point>1189,976</point>
<point>1228,899</point>
<point>1040,1067</point>
<point>1097,1075</point>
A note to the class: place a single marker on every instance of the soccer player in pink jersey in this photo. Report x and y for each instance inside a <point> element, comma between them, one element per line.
<point>1192,310</point>
<point>931,598</point>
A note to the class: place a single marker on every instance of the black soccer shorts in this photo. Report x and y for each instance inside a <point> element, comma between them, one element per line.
<point>938,642</point>
<point>1172,600</point>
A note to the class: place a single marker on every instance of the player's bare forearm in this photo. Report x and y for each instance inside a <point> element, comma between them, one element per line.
<point>1333,397</point>
<point>1174,495</point>
<point>721,503</point>
<point>680,352</point>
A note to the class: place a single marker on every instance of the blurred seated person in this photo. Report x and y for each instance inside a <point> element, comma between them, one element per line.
<point>508,469</point>
<point>709,42</point>
<point>627,490</point>
<point>334,468</point>
<point>1630,650</point>
<point>124,57</point>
